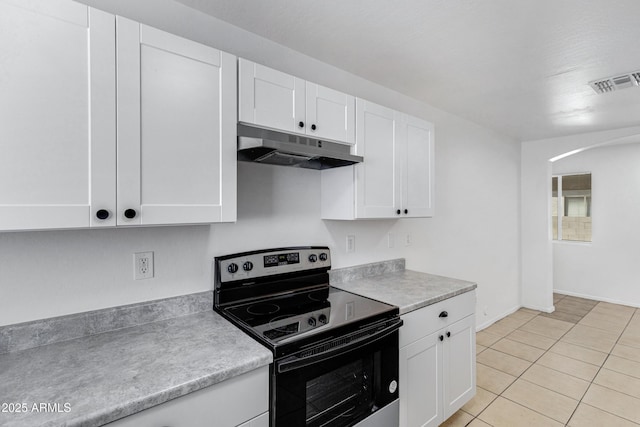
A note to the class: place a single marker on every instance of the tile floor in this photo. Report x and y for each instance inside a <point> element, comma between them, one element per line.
<point>578,366</point>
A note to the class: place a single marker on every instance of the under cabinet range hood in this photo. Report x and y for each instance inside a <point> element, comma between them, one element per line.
<point>277,148</point>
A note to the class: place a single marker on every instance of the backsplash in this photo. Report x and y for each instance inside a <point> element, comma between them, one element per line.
<point>341,275</point>
<point>22,336</point>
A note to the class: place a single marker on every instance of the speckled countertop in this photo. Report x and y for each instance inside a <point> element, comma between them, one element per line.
<point>107,376</point>
<point>389,282</point>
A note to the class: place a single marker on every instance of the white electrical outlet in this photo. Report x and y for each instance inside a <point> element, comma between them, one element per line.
<point>351,243</point>
<point>142,265</point>
<point>407,240</point>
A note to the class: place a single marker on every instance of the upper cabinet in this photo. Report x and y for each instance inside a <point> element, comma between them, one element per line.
<point>57,80</point>
<point>88,143</point>
<point>276,100</point>
<point>396,178</point>
<point>176,129</point>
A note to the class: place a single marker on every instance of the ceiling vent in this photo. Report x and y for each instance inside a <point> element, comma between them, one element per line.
<point>611,84</point>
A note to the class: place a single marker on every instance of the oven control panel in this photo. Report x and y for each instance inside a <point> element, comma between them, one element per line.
<point>271,262</point>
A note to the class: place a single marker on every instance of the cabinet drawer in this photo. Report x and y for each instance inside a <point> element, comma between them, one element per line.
<point>424,321</point>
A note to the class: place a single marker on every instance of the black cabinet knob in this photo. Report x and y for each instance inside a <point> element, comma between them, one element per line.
<point>406,211</point>
<point>313,127</point>
<point>441,338</point>
<point>300,124</point>
<point>130,213</point>
<point>398,212</point>
<point>448,334</point>
<point>443,314</point>
<point>232,268</point>
<point>102,214</point>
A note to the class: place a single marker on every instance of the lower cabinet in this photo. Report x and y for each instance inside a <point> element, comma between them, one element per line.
<point>241,401</point>
<point>437,361</point>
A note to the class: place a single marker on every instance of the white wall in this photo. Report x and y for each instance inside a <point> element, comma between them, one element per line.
<point>537,250</point>
<point>607,268</point>
<point>474,235</point>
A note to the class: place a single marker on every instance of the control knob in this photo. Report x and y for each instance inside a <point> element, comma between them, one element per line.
<point>232,268</point>
<point>312,321</point>
<point>322,319</point>
<point>323,256</point>
<point>313,258</point>
<point>247,266</point>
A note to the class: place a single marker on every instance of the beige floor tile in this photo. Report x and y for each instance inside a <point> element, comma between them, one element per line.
<point>573,307</point>
<point>560,382</point>
<point>477,422</point>
<point>523,314</point>
<point>588,416</point>
<point>529,311</point>
<point>542,400</point>
<point>459,419</point>
<point>480,348</point>
<point>630,338</point>
<point>518,349</point>
<point>624,366</point>
<point>620,382</point>
<point>585,301</point>
<point>570,366</point>
<point>503,362</point>
<point>614,311</point>
<point>500,329</point>
<point>550,328</point>
<point>529,338</point>
<point>614,402</point>
<point>579,353</point>
<point>486,339</point>
<point>626,352</point>
<point>480,401</point>
<point>557,297</point>
<point>595,339</point>
<point>504,413</point>
<point>492,379</point>
<point>561,315</point>
<point>604,322</point>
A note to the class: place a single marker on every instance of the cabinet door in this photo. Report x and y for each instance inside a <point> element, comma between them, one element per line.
<point>418,167</point>
<point>270,98</point>
<point>57,149</point>
<point>330,114</point>
<point>176,129</point>
<point>421,382</point>
<point>259,421</point>
<point>459,356</point>
<point>377,178</point>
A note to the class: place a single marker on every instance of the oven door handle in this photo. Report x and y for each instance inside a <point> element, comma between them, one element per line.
<point>290,365</point>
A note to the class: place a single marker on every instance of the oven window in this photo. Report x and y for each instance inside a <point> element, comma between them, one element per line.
<point>339,393</point>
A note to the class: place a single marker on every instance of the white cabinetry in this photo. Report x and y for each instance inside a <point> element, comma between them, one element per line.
<point>241,401</point>
<point>437,361</point>
<point>396,178</point>
<point>273,99</point>
<point>86,138</point>
<point>176,129</point>
<point>57,137</point>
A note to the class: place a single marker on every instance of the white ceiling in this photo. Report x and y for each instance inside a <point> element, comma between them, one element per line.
<point>521,67</point>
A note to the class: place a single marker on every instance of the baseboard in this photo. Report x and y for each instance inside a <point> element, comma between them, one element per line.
<point>539,308</point>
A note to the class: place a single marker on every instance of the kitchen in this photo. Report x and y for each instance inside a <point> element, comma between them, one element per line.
<point>54,273</point>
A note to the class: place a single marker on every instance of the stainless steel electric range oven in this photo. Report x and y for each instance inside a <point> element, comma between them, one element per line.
<point>335,353</point>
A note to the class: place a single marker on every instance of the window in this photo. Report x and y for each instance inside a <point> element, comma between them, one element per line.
<point>571,195</point>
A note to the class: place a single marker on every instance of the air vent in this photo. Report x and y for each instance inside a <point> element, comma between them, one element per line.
<point>611,84</point>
